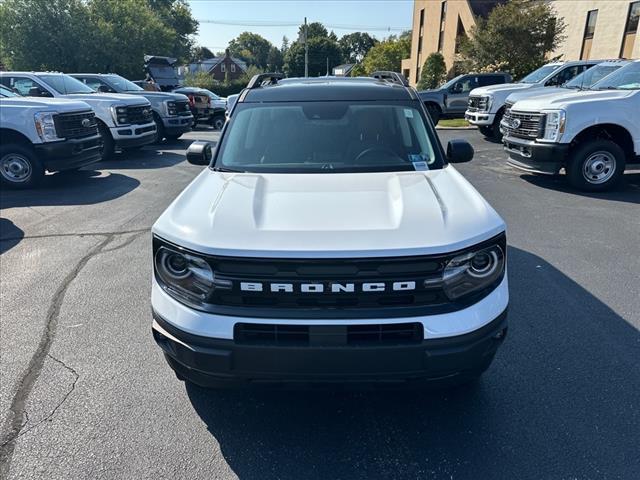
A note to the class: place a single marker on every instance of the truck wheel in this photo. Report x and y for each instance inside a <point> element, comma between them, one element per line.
<point>217,122</point>
<point>434,112</point>
<point>486,130</point>
<point>495,127</point>
<point>108,145</point>
<point>596,165</point>
<point>159,128</point>
<point>19,167</point>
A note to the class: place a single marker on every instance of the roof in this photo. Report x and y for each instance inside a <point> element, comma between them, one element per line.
<point>210,63</point>
<point>328,89</point>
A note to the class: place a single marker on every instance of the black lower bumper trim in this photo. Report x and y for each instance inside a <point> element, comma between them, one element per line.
<point>146,139</point>
<point>70,154</point>
<point>534,156</point>
<point>207,361</point>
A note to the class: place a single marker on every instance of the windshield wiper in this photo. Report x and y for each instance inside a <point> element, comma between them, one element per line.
<point>227,170</point>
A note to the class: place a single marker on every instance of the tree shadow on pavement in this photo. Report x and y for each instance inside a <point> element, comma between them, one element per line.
<point>82,187</point>
<point>628,191</point>
<point>10,235</point>
<point>560,401</point>
<point>152,157</point>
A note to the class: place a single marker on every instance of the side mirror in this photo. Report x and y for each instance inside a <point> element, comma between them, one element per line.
<point>459,151</point>
<point>200,153</point>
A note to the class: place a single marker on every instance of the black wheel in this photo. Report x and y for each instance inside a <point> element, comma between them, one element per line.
<point>19,167</point>
<point>217,122</point>
<point>486,130</point>
<point>159,128</point>
<point>108,145</point>
<point>495,127</point>
<point>434,112</point>
<point>596,165</point>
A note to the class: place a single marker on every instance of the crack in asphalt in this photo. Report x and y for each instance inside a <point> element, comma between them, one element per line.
<point>15,420</point>
<point>78,234</point>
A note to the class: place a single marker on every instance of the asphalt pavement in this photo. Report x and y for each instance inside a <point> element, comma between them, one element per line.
<point>86,394</point>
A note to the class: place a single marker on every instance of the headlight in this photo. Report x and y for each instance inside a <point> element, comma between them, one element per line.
<point>186,276</point>
<point>555,121</point>
<point>119,114</point>
<point>172,109</point>
<point>486,103</point>
<point>46,127</point>
<point>473,271</point>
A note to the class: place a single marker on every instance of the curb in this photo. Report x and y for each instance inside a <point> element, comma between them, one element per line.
<point>456,128</point>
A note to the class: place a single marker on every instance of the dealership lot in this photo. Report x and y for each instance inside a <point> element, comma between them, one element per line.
<point>98,400</point>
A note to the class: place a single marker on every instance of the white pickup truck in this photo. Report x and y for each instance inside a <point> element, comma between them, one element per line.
<point>124,121</point>
<point>593,134</point>
<point>487,104</point>
<point>48,134</point>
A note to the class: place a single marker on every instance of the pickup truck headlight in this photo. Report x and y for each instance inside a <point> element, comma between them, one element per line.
<point>554,124</point>
<point>119,114</point>
<point>46,127</point>
<point>486,103</point>
<point>172,109</point>
<point>473,271</point>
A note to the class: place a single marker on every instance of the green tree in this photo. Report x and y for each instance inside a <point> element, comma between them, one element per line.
<point>355,46</point>
<point>323,50</point>
<point>314,30</point>
<point>252,48</point>
<point>275,60</point>
<point>433,72</point>
<point>200,53</point>
<point>386,55</point>
<point>518,35</point>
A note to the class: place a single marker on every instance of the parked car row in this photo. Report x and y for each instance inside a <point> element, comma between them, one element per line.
<point>52,121</point>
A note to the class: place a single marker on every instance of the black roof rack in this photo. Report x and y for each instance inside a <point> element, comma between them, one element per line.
<point>393,77</point>
<point>264,79</point>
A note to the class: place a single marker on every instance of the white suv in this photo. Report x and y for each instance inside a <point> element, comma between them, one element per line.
<point>593,134</point>
<point>124,121</point>
<point>329,239</point>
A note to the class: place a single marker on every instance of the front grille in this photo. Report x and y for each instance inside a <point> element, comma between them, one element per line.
<point>139,115</point>
<point>521,124</point>
<point>322,335</point>
<point>70,125</point>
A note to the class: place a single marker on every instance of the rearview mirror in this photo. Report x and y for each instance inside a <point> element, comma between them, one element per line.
<point>459,151</point>
<point>200,152</point>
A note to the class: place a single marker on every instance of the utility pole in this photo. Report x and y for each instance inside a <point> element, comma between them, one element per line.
<point>306,50</point>
<point>327,66</point>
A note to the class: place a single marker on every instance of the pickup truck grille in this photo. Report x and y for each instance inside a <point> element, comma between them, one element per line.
<point>139,115</point>
<point>330,288</point>
<point>76,125</point>
<point>521,124</point>
<point>183,108</point>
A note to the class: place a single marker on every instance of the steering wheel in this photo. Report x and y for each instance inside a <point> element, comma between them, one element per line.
<point>379,148</point>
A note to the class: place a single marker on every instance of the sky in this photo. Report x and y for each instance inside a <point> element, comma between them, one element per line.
<point>341,16</point>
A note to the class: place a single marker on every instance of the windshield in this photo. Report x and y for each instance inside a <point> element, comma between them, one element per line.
<point>333,137</point>
<point>591,76</point>
<point>540,74</point>
<point>64,84</point>
<point>5,92</point>
<point>121,84</point>
<point>212,95</point>
<point>626,78</point>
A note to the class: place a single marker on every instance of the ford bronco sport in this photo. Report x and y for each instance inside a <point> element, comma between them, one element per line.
<point>329,240</point>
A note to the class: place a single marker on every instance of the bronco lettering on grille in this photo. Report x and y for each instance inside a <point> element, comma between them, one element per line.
<point>329,287</point>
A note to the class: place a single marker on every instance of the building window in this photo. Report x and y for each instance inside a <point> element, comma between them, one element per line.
<point>222,67</point>
<point>233,68</point>
<point>461,34</point>
<point>443,19</point>
<point>630,31</point>
<point>421,29</point>
<point>589,30</point>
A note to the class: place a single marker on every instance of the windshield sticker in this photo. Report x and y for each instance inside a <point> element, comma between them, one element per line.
<point>408,112</point>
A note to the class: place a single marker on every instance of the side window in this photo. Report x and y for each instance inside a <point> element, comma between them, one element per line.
<point>467,84</point>
<point>564,75</point>
<point>490,80</point>
<point>233,67</point>
<point>26,87</point>
<point>95,84</point>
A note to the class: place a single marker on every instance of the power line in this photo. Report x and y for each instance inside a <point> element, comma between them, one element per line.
<point>256,23</point>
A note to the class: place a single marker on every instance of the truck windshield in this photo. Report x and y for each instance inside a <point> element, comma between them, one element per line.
<point>64,84</point>
<point>591,76</point>
<point>626,78</point>
<point>121,84</point>
<point>540,74</point>
<point>327,137</point>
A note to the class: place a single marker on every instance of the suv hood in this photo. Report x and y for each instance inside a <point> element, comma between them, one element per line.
<point>328,215</point>
<point>109,98</point>
<point>57,104</point>
<point>566,99</point>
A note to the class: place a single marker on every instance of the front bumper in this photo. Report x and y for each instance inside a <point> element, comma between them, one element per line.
<point>535,157</point>
<point>207,361</point>
<point>177,125</point>
<point>69,154</point>
<point>479,118</point>
<point>134,135</point>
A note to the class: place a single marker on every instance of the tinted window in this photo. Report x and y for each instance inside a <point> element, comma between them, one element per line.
<point>540,74</point>
<point>121,84</point>
<point>24,86</point>
<point>591,76</point>
<point>490,80</point>
<point>64,84</point>
<point>331,137</point>
<point>95,83</point>
<point>566,74</point>
<point>626,78</point>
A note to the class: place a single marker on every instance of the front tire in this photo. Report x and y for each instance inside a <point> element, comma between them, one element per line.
<point>434,112</point>
<point>486,130</point>
<point>217,122</point>
<point>495,133</point>
<point>159,129</point>
<point>19,167</point>
<point>108,145</point>
<point>596,166</point>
